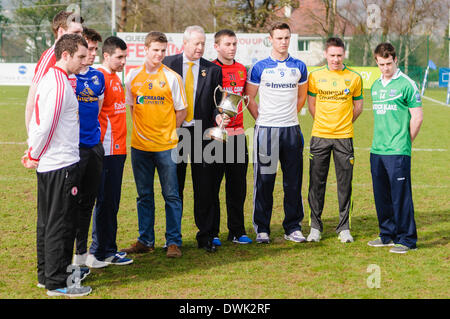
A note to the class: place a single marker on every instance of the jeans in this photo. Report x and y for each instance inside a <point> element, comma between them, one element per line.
<point>144,164</point>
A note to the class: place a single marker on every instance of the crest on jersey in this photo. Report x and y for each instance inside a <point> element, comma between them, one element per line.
<point>162,84</point>
<point>347,82</point>
<point>241,74</point>
<point>95,80</point>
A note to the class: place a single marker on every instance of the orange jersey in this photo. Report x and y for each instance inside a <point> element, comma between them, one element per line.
<point>155,99</point>
<point>113,116</point>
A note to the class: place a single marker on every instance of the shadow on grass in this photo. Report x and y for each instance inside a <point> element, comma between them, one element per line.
<point>154,266</point>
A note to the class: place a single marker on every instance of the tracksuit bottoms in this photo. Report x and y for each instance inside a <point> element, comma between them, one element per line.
<point>391,179</point>
<point>273,144</point>
<point>57,212</point>
<point>319,163</point>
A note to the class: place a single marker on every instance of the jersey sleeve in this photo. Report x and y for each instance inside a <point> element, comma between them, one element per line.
<point>312,89</point>
<point>358,90</point>
<point>412,95</point>
<point>304,74</point>
<point>254,74</point>
<point>101,78</point>
<point>47,112</point>
<point>46,61</point>
<point>178,93</point>
<point>129,100</point>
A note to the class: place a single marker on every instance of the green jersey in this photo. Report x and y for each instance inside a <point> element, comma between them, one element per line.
<point>391,103</point>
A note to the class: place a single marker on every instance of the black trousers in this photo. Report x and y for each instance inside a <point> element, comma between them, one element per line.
<point>202,170</point>
<point>319,163</point>
<point>233,165</point>
<point>56,220</point>
<point>91,164</point>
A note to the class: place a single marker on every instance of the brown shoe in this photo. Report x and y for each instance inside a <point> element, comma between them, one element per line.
<point>173,251</point>
<point>138,248</point>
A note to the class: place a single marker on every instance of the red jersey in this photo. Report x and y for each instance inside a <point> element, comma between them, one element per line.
<point>113,116</point>
<point>47,60</point>
<point>234,78</point>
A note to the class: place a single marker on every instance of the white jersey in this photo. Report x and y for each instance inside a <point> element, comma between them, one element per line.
<point>278,83</point>
<point>54,131</point>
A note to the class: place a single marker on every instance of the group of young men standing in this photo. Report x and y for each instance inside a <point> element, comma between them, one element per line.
<point>77,143</point>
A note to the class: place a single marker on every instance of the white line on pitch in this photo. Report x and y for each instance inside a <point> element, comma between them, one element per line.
<point>435,101</point>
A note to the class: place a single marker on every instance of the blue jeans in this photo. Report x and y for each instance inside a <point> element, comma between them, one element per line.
<point>144,164</point>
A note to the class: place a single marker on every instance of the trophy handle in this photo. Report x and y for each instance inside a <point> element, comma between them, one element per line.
<point>214,95</point>
<point>243,103</point>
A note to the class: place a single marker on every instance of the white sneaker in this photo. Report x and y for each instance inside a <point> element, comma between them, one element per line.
<point>262,238</point>
<point>314,235</point>
<point>93,262</point>
<point>295,236</point>
<point>345,236</point>
<point>79,260</point>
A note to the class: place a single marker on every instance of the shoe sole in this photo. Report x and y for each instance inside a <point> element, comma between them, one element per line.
<point>313,240</point>
<point>97,266</point>
<point>401,252</point>
<point>57,294</point>
<point>295,241</point>
<point>120,264</point>
<point>380,245</point>
<point>242,243</point>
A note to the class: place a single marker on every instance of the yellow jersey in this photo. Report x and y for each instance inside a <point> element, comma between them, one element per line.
<point>335,92</point>
<point>155,97</point>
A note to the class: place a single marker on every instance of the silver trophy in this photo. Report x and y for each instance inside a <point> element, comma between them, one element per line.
<point>230,106</point>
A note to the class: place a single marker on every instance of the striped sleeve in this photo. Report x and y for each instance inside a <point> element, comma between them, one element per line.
<point>46,61</point>
<point>49,107</point>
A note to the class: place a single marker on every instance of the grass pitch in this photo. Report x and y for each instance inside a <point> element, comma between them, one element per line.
<point>328,269</point>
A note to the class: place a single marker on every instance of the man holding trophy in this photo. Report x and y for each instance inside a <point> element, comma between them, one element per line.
<point>235,154</point>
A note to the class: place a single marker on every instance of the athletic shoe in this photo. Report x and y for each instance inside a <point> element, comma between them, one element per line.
<point>262,238</point>
<point>118,260</point>
<point>314,235</point>
<point>70,291</point>
<point>79,260</point>
<point>39,285</point>
<point>216,241</point>
<point>345,236</point>
<point>400,249</point>
<point>93,262</point>
<point>295,236</point>
<point>82,272</point>
<point>244,239</point>
<point>379,243</point>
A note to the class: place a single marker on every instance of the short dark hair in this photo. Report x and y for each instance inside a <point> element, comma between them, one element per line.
<point>155,36</point>
<point>91,35</point>
<point>279,26</point>
<point>385,50</point>
<point>334,42</point>
<point>69,43</point>
<point>222,33</point>
<point>62,20</point>
<point>112,43</point>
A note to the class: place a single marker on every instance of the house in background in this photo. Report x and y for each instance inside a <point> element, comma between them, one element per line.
<point>310,23</point>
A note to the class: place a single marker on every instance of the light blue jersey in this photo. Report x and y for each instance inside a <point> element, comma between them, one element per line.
<point>278,83</point>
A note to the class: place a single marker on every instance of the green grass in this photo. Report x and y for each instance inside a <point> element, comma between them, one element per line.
<point>281,269</point>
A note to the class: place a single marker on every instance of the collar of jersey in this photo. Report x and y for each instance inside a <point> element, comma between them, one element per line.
<point>234,61</point>
<point>345,67</point>
<point>281,61</point>
<point>395,76</point>
<point>60,70</point>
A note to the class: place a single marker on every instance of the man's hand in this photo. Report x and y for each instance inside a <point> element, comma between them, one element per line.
<point>29,163</point>
<point>223,118</point>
